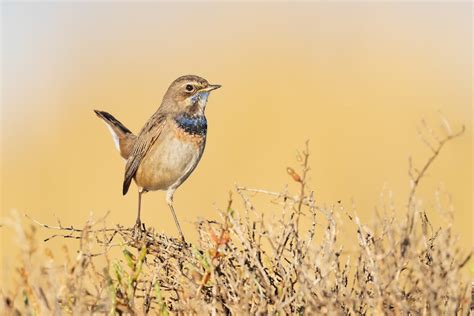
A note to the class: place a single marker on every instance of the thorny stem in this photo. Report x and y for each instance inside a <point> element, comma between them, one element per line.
<point>303,181</point>
<point>218,242</point>
<point>436,151</point>
<point>416,179</point>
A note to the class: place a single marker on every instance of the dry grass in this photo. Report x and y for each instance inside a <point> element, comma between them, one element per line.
<point>247,263</point>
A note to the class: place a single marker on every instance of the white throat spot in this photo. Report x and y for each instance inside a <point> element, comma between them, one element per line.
<point>200,98</point>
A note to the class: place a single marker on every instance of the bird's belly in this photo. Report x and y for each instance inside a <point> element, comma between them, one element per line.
<point>169,163</point>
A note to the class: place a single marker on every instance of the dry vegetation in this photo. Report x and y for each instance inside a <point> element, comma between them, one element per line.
<point>248,263</point>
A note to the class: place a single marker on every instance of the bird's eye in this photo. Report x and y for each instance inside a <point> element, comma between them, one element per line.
<point>189,87</point>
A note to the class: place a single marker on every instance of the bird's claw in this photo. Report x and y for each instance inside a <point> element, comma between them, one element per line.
<point>138,230</point>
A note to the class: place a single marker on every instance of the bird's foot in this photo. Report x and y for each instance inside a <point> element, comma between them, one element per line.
<point>138,230</point>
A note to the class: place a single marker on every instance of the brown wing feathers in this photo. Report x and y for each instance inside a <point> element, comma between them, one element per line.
<point>147,137</point>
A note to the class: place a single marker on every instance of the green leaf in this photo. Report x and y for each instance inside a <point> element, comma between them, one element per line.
<point>161,303</point>
<point>130,258</point>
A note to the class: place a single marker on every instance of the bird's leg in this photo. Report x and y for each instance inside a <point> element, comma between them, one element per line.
<point>176,221</point>
<point>138,222</point>
<point>169,200</point>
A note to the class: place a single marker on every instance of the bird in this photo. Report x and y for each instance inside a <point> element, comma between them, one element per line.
<point>169,146</point>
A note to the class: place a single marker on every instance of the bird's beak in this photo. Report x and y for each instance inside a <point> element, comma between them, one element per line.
<point>211,87</point>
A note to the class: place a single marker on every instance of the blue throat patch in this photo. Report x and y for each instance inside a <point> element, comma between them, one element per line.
<point>193,125</point>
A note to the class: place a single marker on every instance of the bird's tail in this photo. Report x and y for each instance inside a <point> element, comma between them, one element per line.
<point>122,136</point>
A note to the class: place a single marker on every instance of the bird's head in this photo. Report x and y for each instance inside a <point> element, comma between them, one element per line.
<point>188,94</point>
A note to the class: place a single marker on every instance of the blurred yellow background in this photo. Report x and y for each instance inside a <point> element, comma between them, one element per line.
<point>353,78</point>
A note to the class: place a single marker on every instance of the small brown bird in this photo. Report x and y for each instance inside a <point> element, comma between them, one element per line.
<point>170,145</point>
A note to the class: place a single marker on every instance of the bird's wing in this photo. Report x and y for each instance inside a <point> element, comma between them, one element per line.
<point>147,137</point>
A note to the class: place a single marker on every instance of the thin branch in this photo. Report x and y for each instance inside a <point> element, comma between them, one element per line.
<point>429,162</point>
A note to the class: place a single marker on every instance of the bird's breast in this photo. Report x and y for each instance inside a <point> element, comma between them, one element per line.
<point>173,157</point>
